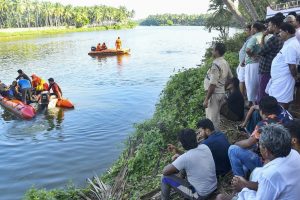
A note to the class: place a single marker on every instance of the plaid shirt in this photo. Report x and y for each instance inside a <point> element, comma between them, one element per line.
<point>268,53</point>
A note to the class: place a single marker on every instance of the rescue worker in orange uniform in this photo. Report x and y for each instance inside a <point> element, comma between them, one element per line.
<point>55,88</point>
<point>103,47</point>
<point>98,48</point>
<point>39,84</point>
<point>118,44</point>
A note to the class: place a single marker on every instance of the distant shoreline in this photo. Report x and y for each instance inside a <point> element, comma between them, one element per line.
<point>10,34</point>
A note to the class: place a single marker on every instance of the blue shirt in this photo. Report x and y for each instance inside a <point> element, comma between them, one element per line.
<point>24,84</point>
<point>218,145</point>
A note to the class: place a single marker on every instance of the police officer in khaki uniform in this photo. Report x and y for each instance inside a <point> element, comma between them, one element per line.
<point>214,84</point>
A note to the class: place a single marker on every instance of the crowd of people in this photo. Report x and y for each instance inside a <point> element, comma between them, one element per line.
<point>27,90</point>
<point>266,164</point>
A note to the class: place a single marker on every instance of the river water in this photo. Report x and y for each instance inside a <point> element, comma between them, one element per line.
<point>110,95</point>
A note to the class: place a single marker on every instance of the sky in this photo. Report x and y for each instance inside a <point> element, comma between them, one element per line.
<point>143,8</point>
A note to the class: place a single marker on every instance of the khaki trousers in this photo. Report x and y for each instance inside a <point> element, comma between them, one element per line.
<point>212,112</point>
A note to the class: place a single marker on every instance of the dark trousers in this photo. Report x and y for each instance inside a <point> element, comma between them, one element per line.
<point>255,118</point>
<point>226,112</point>
<point>180,185</point>
<point>263,82</point>
<point>26,92</point>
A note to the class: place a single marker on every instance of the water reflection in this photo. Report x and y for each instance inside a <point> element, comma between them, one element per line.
<point>55,117</point>
<point>119,59</point>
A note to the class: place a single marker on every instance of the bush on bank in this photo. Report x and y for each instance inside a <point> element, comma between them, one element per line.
<point>180,106</point>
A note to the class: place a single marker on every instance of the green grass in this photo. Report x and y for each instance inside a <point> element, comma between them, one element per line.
<point>9,36</point>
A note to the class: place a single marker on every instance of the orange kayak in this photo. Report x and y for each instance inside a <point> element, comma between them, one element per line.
<point>109,52</point>
<point>18,108</point>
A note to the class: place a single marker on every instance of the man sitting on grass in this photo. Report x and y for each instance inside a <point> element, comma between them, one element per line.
<point>199,166</point>
<point>218,145</point>
<point>243,155</point>
<point>278,178</point>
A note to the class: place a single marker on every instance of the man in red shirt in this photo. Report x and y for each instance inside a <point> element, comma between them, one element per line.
<point>55,88</point>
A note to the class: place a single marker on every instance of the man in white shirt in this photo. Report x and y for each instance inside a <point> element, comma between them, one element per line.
<point>199,166</point>
<point>278,178</point>
<point>284,67</point>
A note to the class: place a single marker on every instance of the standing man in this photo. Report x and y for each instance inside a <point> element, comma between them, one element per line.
<point>284,67</point>
<point>214,84</point>
<point>252,62</point>
<point>240,71</point>
<point>22,74</point>
<point>268,52</point>
<point>25,87</point>
<point>118,44</point>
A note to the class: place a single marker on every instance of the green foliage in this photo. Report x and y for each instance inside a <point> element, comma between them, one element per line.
<point>32,33</point>
<point>221,19</point>
<point>32,13</point>
<point>169,22</point>
<point>71,193</point>
<point>170,19</point>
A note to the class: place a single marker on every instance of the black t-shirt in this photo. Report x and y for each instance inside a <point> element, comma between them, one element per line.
<point>218,145</point>
<point>24,76</point>
<point>236,103</point>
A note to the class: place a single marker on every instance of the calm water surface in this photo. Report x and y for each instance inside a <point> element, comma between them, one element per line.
<point>110,94</point>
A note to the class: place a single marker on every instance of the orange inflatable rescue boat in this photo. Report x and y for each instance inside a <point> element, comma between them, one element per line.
<point>64,103</point>
<point>18,108</point>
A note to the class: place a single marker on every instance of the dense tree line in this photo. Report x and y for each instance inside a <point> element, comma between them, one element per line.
<point>27,13</point>
<point>174,19</point>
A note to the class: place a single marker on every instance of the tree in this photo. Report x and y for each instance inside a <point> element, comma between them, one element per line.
<point>230,5</point>
<point>248,5</point>
<point>34,13</point>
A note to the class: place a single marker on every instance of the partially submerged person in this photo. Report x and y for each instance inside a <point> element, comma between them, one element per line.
<point>25,88</point>
<point>233,108</point>
<point>243,154</point>
<point>118,44</point>
<point>218,145</point>
<point>278,178</point>
<point>284,67</point>
<point>14,91</point>
<point>98,48</point>
<point>103,47</point>
<point>39,84</point>
<point>214,84</point>
<point>199,166</point>
<point>3,89</point>
<point>55,88</point>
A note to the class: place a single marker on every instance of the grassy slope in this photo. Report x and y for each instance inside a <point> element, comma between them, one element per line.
<point>179,107</point>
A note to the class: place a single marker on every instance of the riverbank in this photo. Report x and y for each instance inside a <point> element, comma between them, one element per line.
<point>23,33</point>
<point>136,174</point>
